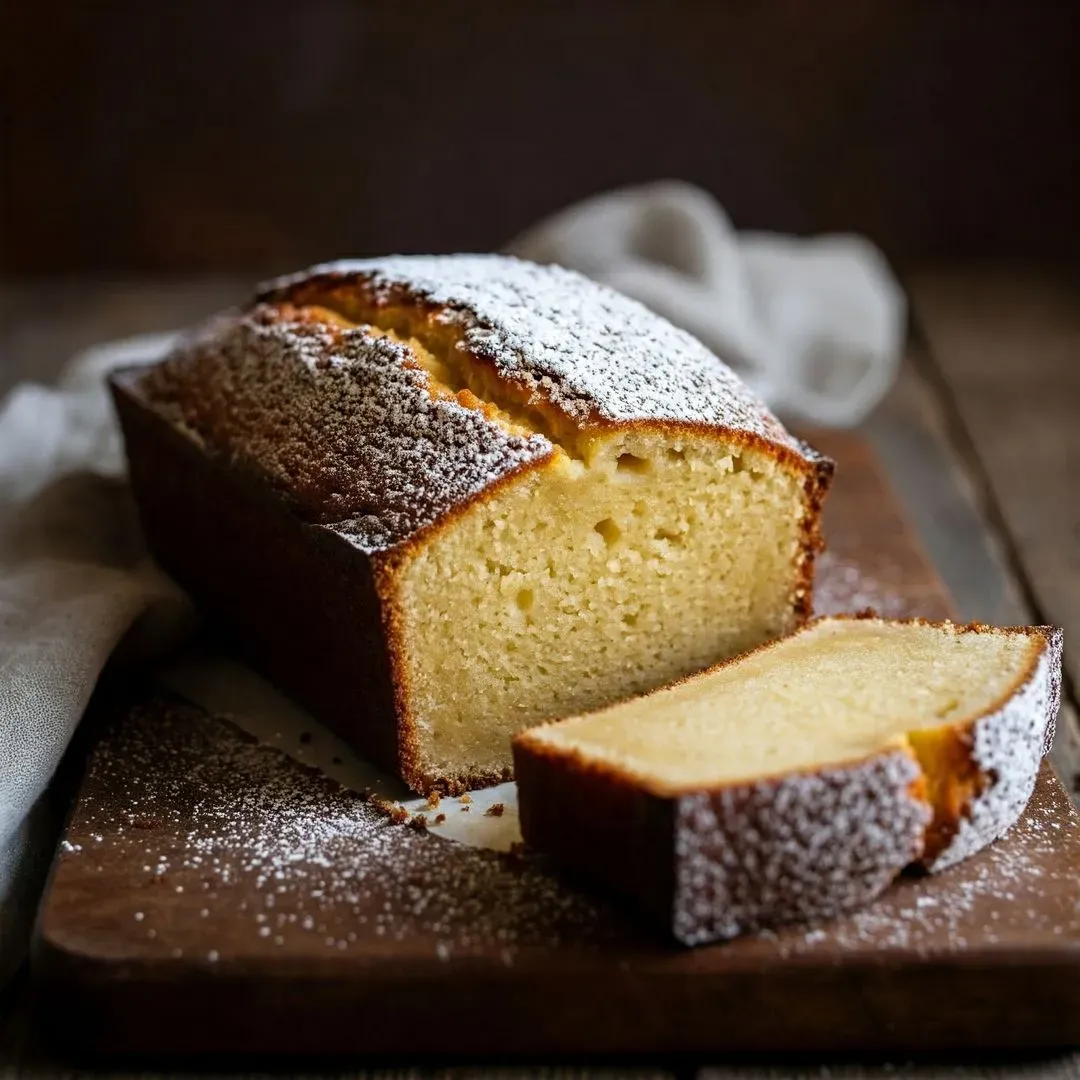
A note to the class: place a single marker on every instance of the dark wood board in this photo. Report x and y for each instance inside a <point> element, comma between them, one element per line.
<point>1006,346</point>
<point>211,896</point>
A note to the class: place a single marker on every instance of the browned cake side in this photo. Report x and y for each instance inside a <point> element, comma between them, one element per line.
<point>300,602</point>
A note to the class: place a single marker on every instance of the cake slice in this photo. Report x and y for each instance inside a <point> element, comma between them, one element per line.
<point>438,499</point>
<point>799,779</point>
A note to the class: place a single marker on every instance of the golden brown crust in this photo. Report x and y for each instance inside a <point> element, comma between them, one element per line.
<point>338,422</point>
<point>996,756</point>
<point>550,337</point>
<point>953,781</point>
<point>282,601</point>
<point>408,762</point>
<point>948,754</point>
<point>816,487</point>
<point>598,825</point>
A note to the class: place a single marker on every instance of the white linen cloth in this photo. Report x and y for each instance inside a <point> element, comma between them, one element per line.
<point>815,325</point>
<point>74,580</point>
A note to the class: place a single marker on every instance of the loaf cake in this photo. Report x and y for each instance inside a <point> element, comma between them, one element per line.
<point>798,780</point>
<point>440,499</point>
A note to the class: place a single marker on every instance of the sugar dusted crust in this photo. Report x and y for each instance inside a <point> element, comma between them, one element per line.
<point>807,844</point>
<point>800,847</point>
<point>571,349</point>
<point>591,353</point>
<point>1005,747</point>
<point>343,423</point>
<point>339,422</point>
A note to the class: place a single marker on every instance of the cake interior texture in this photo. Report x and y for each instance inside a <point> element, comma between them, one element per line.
<point>628,559</point>
<point>839,691</point>
<point>593,579</point>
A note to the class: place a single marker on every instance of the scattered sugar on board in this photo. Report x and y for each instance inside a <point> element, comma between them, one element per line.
<point>295,855</point>
<point>270,845</point>
<point>265,836</point>
<point>987,899</point>
<point>841,585</point>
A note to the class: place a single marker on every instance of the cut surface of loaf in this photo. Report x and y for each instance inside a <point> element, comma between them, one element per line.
<point>798,780</point>
<point>512,494</point>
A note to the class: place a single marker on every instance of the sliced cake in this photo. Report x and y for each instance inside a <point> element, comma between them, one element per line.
<point>798,780</point>
<point>439,499</point>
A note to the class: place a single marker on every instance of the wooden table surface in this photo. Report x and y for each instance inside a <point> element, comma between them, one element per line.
<point>980,437</point>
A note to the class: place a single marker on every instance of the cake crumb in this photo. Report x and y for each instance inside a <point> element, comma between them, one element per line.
<point>418,823</point>
<point>466,798</point>
<point>394,811</point>
<point>433,800</point>
<point>439,819</point>
<point>495,810</point>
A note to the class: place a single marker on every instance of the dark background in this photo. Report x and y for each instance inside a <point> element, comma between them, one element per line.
<point>166,136</point>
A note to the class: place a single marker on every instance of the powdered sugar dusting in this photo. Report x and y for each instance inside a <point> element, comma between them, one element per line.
<point>339,421</point>
<point>1008,747</point>
<point>299,861</point>
<point>1016,891</point>
<point>342,421</point>
<point>842,586</point>
<point>275,859</point>
<point>588,350</point>
<point>800,847</point>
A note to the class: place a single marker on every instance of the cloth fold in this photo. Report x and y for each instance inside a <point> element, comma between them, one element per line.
<point>815,326</point>
<point>74,582</point>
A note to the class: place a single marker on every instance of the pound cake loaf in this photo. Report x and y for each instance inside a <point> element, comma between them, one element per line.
<point>439,499</point>
<point>799,780</point>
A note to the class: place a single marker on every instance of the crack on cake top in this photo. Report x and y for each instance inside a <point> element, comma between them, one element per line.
<point>591,352</point>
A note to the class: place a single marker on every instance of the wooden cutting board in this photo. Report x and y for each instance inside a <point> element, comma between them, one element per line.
<point>212,895</point>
